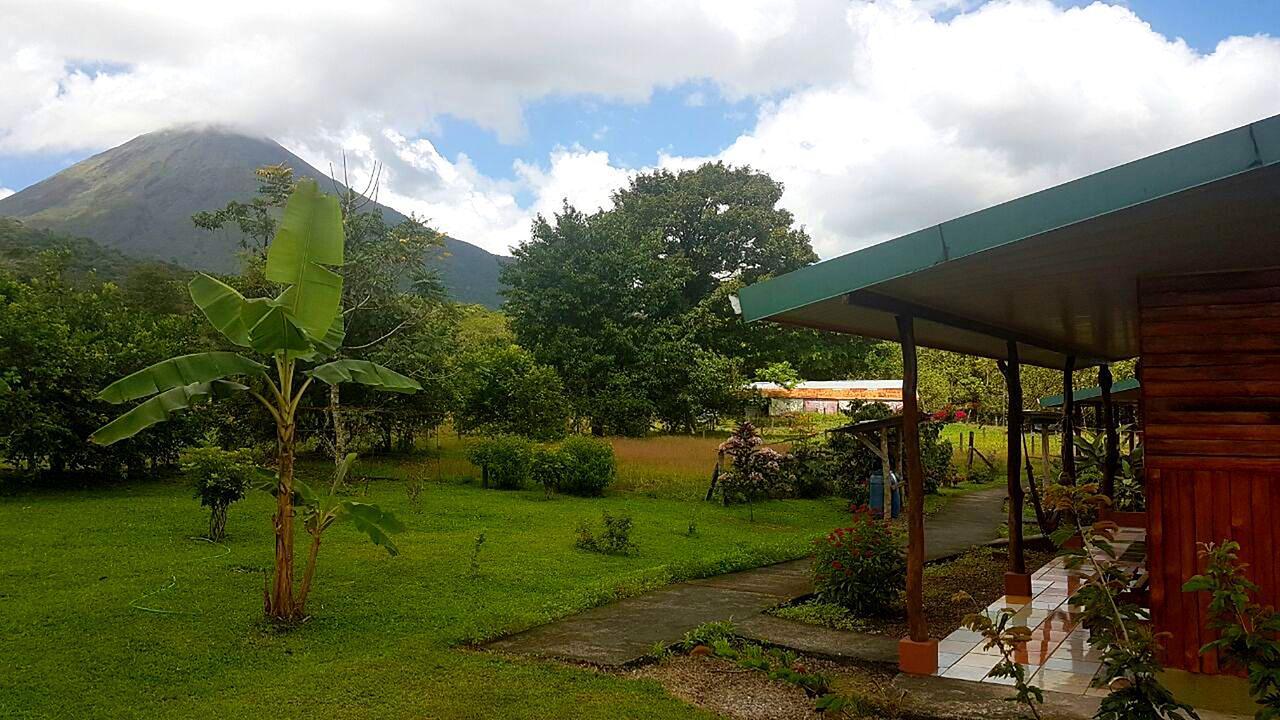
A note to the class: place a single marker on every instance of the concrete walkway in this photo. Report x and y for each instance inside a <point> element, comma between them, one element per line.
<point>626,631</point>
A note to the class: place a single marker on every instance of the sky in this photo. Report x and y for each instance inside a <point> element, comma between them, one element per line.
<point>879,116</point>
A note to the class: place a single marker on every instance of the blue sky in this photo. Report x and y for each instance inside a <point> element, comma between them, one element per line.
<point>635,133</point>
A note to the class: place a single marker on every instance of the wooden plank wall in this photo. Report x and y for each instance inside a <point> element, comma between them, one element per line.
<point>1210,373</point>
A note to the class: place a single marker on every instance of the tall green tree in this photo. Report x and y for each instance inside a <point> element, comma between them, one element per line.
<point>631,305</point>
<point>64,335</point>
<point>296,330</point>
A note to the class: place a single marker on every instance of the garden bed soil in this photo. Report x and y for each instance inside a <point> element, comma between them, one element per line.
<point>979,572</point>
<point>730,691</point>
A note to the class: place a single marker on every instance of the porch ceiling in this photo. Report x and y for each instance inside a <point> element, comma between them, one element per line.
<point>1056,271</point>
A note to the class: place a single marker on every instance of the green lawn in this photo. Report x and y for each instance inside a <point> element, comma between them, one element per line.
<point>388,635</point>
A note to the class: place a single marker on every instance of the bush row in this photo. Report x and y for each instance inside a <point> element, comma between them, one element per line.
<point>578,465</point>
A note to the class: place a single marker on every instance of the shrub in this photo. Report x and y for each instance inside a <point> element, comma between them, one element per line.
<point>591,465</point>
<point>810,466</point>
<point>614,539</point>
<point>504,461</point>
<point>860,567</point>
<point>578,466</point>
<point>755,472</point>
<point>221,477</point>
<point>935,457</point>
<point>549,467</point>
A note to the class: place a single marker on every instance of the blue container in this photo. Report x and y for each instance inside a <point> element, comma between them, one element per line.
<point>877,494</point>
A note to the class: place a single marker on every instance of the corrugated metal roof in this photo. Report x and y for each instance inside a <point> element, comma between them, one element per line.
<point>1121,391</point>
<point>890,390</point>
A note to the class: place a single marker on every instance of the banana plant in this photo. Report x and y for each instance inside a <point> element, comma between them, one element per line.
<point>296,331</point>
<point>319,512</point>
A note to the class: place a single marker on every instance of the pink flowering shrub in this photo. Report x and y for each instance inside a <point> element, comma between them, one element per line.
<point>860,567</point>
<point>755,472</point>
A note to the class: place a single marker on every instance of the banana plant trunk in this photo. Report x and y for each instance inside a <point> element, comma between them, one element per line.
<point>279,602</point>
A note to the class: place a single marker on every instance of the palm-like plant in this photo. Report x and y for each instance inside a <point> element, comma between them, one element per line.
<point>302,325</point>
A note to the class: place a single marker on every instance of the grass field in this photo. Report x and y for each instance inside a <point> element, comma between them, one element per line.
<point>111,607</point>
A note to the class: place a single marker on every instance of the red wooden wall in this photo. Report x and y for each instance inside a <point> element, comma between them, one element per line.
<point>1210,373</point>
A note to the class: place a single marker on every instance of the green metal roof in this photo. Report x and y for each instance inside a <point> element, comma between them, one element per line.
<point>1055,270</point>
<point>1121,391</point>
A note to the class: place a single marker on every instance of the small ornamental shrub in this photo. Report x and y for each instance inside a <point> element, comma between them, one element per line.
<point>614,538</point>
<point>549,467</point>
<point>221,477</point>
<point>755,472</point>
<point>591,466</point>
<point>861,568</point>
<point>504,461</point>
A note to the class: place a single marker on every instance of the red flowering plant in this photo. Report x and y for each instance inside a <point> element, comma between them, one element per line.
<point>950,413</point>
<point>860,567</point>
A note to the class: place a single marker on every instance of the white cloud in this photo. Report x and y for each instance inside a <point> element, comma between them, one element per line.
<point>879,117</point>
<point>934,119</point>
<point>5,192</point>
<point>457,199</point>
<point>286,68</point>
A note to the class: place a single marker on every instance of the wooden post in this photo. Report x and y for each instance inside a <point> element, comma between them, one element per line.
<point>1044,452</point>
<point>917,654</point>
<point>1111,458</point>
<point>1016,581</point>
<point>968,466</point>
<point>887,469</point>
<point>1068,423</point>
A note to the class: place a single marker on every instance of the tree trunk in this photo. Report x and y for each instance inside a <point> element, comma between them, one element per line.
<point>339,425</point>
<point>217,522</point>
<point>279,602</point>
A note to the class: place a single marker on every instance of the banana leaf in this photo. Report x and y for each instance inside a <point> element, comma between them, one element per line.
<point>272,330</point>
<point>309,238</point>
<point>161,408</point>
<point>373,521</point>
<point>177,372</point>
<point>365,373</point>
<point>223,305</point>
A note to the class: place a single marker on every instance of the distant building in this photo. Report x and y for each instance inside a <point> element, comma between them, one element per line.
<point>828,397</point>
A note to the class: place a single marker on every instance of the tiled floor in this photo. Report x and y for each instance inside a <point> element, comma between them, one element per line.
<point>1058,657</point>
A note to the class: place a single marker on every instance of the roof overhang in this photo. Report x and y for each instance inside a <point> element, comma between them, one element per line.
<point>1055,271</point>
<point>1123,391</point>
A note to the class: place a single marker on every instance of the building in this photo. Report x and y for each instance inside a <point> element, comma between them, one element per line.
<point>828,397</point>
<point>1171,259</point>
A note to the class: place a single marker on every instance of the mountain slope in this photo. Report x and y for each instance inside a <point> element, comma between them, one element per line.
<point>138,198</point>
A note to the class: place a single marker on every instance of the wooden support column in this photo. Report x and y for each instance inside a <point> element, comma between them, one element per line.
<point>886,469</point>
<point>1111,457</point>
<point>1016,581</point>
<point>1068,423</point>
<point>917,653</point>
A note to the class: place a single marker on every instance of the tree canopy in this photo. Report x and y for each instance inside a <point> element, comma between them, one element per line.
<point>631,305</point>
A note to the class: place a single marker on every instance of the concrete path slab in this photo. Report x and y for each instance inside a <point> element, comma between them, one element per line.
<point>817,640</point>
<point>626,631</point>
